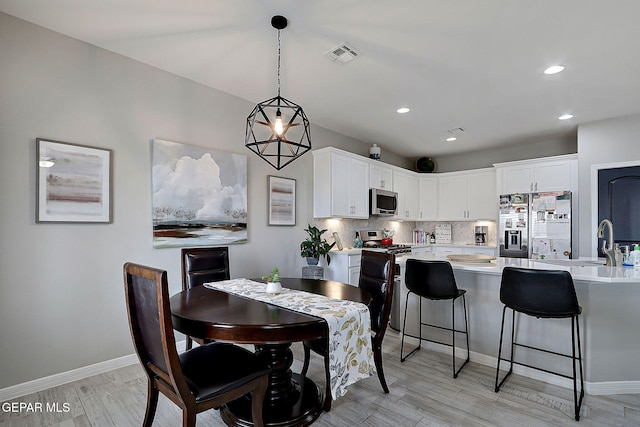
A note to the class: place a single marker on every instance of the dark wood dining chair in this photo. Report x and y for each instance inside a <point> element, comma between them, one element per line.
<point>377,271</point>
<point>196,380</point>
<point>202,265</point>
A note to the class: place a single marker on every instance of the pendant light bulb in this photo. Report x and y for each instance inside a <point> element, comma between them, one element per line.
<point>278,127</point>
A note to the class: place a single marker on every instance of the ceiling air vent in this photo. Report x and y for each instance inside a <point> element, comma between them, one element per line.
<point>343,53</point>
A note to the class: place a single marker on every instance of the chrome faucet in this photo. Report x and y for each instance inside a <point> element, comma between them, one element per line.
<point>609,251</point>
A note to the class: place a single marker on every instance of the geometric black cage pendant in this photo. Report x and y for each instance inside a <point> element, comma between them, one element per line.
<point>277,129</point>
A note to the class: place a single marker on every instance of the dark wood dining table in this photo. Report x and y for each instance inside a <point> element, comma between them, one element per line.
<point>292,399</point>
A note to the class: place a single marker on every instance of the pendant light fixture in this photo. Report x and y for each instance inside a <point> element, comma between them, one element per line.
<point>277,129</point>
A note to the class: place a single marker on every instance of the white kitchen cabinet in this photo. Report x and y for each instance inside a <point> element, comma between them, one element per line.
<point>421,250</point>
<point>482,202</point>
<point>344,267</point>
<point>340,185</point>
<point>441,251</point>
<point>546,174</point>
<point>452,197</point>
<point>466,196</point>
<point>444,250</point>
<point>380,176</point>
<point>428,198</point>
<point>480,250</point>
<point>408,188</point>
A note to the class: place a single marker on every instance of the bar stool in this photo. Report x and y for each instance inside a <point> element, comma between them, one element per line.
<point>548,294</point>
<point>434,280</point>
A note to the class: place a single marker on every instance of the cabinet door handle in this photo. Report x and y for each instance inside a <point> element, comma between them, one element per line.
<point>536,186</point>
<point>531,186</point>
<point>382,183</point>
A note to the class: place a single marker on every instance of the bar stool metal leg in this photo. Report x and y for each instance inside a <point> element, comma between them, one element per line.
<point>404,324</point>
<point>466,332</point>
<point>577,401</point>
<point>513,317</point>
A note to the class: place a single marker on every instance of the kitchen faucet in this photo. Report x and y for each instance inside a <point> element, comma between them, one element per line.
<point>608,251</point>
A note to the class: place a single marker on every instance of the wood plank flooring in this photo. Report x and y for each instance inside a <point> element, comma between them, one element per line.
<point>423,393</point>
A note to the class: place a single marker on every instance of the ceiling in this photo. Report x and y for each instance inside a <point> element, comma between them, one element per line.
<point>475,65</point>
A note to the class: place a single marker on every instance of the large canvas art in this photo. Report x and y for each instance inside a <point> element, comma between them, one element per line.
<point>199,196</point>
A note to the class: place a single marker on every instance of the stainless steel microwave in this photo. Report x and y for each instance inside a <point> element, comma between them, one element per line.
<point>382,202</point>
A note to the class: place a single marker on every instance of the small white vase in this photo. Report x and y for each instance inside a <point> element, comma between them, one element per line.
<point>273,287</point>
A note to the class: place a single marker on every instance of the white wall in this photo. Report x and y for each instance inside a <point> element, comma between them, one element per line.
<point>602,142</point>
<point>62,300</point>
<point>532,148</point>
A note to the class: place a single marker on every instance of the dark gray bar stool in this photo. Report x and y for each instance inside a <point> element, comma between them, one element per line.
<point>546,294</point>
<point>434,280</point>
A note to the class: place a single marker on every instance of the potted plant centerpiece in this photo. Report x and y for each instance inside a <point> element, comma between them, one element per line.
<point>314,246</point>
<point>273,281</point>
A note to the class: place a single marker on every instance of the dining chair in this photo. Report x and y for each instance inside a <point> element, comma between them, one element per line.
<point>542,294</point>
<point>202,265</point>
<point>196,380</point>
<point>377,278</point>
<point>434,280</point>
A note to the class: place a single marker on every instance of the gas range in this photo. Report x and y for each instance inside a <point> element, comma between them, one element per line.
<point>372,239</point>
<point>390,249</point>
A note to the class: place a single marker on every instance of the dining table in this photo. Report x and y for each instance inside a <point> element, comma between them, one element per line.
<point>292,399</point>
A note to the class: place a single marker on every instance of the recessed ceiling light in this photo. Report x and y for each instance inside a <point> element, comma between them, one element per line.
<point>554,69</point>
<point>565,117</point>
<point>451,138</point>
<point>403,110</point>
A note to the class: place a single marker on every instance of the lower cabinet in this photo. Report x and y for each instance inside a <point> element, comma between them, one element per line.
<point>344,267</point>
<point>450,250</point>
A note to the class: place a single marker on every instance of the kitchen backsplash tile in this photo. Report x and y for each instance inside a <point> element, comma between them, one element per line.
<point>461,232</point>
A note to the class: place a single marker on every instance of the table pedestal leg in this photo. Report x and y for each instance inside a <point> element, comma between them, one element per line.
<point>291,399</point>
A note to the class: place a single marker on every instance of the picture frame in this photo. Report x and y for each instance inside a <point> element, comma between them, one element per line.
<point>282,200</point>
<point>207,208</point>
<point>73,183</point>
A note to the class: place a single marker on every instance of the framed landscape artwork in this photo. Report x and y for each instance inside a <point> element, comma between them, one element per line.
<point>73,183</point>
<point>199,196</point>
<point>282,200</point>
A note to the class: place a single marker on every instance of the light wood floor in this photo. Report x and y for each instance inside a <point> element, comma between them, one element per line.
<point>423,393</point>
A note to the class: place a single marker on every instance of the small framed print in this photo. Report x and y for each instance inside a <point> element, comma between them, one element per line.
<point>282,200</point>
<point>73,183</point>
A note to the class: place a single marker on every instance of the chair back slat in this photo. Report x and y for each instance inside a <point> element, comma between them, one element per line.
<point>202,265</point>
<point>147,297</point>
<point>376,277</point>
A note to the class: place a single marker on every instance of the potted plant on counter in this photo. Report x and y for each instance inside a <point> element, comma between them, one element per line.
<point>314,246</point>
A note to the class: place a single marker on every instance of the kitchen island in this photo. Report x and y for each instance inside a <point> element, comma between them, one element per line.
<point>609,324</point>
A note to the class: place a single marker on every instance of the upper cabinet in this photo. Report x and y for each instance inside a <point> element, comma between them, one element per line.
<point>546,174</point>
<point>340,185</point>
<point>406,184</point>
<point>466,196</point>
<point>380,176</point>
<point>428,186</point>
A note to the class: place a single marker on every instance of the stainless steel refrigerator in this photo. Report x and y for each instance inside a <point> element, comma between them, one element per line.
<point>535,225</point>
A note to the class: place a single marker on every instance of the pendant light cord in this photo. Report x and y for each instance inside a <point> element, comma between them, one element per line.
<point>278,63</point>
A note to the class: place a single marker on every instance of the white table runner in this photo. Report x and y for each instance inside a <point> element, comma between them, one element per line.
<point>350,353</point>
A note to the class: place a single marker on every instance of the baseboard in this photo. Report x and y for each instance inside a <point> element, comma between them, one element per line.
<point>45,383</point>
<point>593,388</point>
<point>40,384</point>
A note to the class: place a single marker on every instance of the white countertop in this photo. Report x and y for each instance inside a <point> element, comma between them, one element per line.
<point>580,269</point>
<point>351,251</point>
